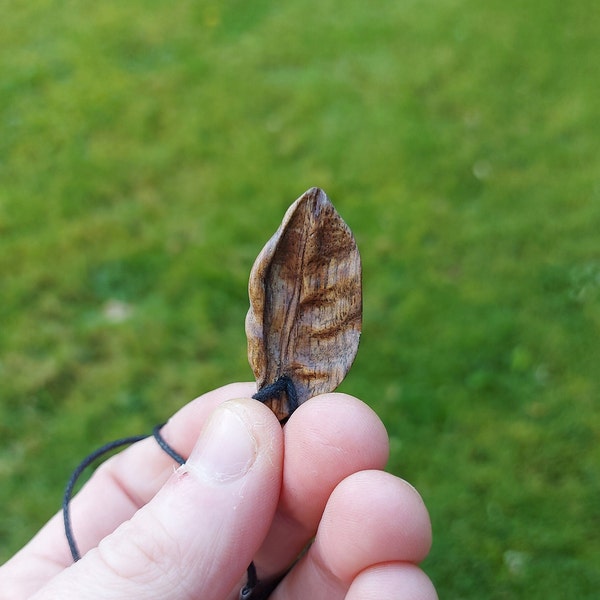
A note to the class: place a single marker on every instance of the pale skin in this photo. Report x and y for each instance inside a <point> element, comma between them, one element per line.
<point>249,491</point>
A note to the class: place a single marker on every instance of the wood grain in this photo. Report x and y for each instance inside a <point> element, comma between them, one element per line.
<point>305,293</point>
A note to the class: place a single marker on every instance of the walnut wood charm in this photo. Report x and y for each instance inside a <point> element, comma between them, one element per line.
<point>305,312</point>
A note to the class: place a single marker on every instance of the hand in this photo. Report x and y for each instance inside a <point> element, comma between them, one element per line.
<point>148,530</point>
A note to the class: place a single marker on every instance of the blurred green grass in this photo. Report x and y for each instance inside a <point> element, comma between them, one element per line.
<point>149,149</point>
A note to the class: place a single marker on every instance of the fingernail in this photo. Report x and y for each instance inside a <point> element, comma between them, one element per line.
<point>226,449</point>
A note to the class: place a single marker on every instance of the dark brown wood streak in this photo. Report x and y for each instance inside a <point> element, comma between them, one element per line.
<point>305,293</point>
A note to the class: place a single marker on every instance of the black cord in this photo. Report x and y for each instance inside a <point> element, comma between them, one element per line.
<point>84,464</point>
<point>283,385</point>
<point>274,390</point>
<point>164,446</point>
<point>88,460</point>
<point>251,582</point>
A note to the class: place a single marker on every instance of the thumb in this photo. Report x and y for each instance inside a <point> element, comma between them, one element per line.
<point>196,537</point>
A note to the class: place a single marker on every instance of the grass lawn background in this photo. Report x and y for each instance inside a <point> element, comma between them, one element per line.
<point>149,149</point>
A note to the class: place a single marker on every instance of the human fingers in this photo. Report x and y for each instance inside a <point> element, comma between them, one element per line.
<point>131,478</point>
<point>196,537</point>
<point>392,581</point>
<point>326,439</point>
<point>114,493</point>
<point>372,518</point>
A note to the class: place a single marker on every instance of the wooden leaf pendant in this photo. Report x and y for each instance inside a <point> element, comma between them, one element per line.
<point>305,315</point>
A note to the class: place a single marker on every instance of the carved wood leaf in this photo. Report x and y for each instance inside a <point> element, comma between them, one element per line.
<point>305,293</point>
